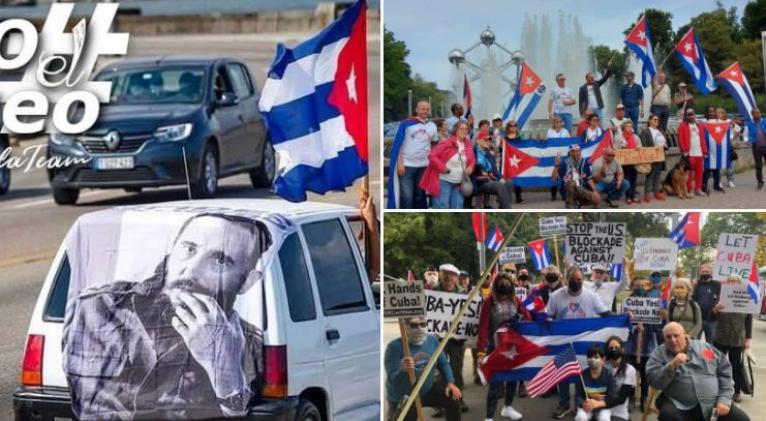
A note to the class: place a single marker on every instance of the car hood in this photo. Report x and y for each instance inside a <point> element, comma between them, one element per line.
<point>141,118</point>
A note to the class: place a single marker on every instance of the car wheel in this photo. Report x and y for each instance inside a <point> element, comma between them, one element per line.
<point>65,196</point>
<point>207,185</point>
<point>133,189</point>
<point>263,176</point>
<point>307,411</point>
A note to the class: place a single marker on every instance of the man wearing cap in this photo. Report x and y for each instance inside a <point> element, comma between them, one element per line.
<point>609,177</point>
<point>575,173</point>
<point>602,286</point>
<point>617,120</point>
<point>632,97</point>
<point>449,276</point>
<point>683,99</point>
<point>561,101</point>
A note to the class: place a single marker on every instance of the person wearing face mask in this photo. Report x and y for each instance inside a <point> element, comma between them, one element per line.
<point>502,306</point>
<point>601,285</point>
<point>551,282</point>
<point>683,309</point>
<point>624,376</point>
<point>525,280</point>
<point>432,394</point>
<point>706,294</point>
<point>431,277</point>
<point>650,336</point>
<point>732,336</point>
<point>573,302</point>
<point>599,391</point>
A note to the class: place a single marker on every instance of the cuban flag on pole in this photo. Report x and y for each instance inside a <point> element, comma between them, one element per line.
<point>467,97</point>
<point>494,239</point>
<point>735,82</point>
<point>541,257</point>
<point>640,42</point>
<point>687,232</point>
<point>315,102</point>
<point>528,93</point>
<point>718,138</point>
<point>689,52</point>
<point>392,185</point>
<point>753,286</point>
<point>524,348</point>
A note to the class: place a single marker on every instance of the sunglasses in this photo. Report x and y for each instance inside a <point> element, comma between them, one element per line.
<point>417,325</point>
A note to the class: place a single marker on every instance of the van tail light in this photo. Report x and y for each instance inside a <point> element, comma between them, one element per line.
<point>32,367</point>
<point>275,367</point>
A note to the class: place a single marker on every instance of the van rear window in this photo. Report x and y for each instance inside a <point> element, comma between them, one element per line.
<point>56,305</point>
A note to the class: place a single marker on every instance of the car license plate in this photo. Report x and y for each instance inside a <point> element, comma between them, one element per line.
<point>115,163</point>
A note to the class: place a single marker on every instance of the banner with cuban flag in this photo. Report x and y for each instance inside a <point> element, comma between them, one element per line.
<point>687,232</point>
<point>315,102</point>
<point>735,82</point>
<point>526,97</point>
<point>689,52</point>
<point>639,41</point>
<point>718,138</point>
<point>530,163</point>
<point>523,349</point>
<point>494,239</point>
<point>541,257</point>
<point>467,97</point>
<point>392,185</point>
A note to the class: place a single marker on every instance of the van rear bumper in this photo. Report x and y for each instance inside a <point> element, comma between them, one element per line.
<point>47,403</point>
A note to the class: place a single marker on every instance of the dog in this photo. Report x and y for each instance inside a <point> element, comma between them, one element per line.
<point>676,180</point>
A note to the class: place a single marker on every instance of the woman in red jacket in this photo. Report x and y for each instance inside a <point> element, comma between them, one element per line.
<point>449,162</point>
<point>691,141</point>
<point>501,306</point>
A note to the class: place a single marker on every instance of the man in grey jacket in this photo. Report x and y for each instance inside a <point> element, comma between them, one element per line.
<point>694,377</point>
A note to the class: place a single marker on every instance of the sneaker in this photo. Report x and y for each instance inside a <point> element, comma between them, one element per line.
<point>648,198</point>
<point>511,413</point>
<point>561,411</point>
<point>689,195</point>
<point>488,419</point>
<point>760,185</point>
<point>720,189</point>
<point>659,196</point>
<point>700,193</point>
<point>737,398</point>
<point>731,184</point>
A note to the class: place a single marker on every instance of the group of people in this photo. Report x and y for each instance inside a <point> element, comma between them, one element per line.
<point>694,377</point>
<point>450,164</point>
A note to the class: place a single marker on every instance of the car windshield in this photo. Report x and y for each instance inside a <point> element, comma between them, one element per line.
<point>156,85</point>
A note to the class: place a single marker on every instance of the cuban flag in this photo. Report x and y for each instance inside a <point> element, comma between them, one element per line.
<point>753,286</point>
<point>640,42</point>
<point>530,163</point>
<point>480,223</point>
<point>467,97</point>
<point>615,271</point>
<point>523,349</point>
<point>689,52</point>
<point>494,239</point>
<point>735,82</point>
<point>665,289</point>
<point>541,257</point>
<point>315,102</point>
<point>718,138</point>
<point>535,305</point>
<point>528,93</point>
<point>687,232</point>
<point>392,185</point>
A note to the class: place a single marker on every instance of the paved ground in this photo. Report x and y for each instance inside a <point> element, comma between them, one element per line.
<point>542,408</point>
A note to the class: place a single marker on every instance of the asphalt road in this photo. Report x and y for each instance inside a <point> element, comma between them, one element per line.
<point>32,226</point>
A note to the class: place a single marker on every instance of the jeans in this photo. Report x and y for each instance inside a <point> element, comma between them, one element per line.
<point>653,179</point>
<point>716,179</point>
<point>517,191</point>
<point>708,328</point>
<point>737,367</point>
<point>730,173</point>
<point>566,118</point>
<point>564,396</point>
<point>632,113</point>
<point>499,390</point>
<point>449,196</point>
<point>611,190</point>
<point>663,113</point>
<point>410,195</point>
<point>434,398</point>
<point>630,177</point>
<point>502,189</point>
<point>759,155</point>
<point>455,351</point>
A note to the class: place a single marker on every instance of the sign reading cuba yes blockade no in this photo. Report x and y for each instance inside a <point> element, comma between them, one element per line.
<point>441,308</point>
<point>589,243</point>
<point>655,254</point>
<point>645,310</point>
<point>556,225</point>
<point>404,299</point>
<point>734,255</point>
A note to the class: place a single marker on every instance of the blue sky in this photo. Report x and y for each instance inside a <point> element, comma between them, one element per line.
<point>432,28</point>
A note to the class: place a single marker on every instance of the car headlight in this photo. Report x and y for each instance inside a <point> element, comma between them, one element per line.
<point>173,133</point>
<point>62,139</point>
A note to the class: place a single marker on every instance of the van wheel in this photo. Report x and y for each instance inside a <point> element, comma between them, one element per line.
<point>65,196</point>
<point>307,411</point>
<point>263,176</point>
<point>207,185</point>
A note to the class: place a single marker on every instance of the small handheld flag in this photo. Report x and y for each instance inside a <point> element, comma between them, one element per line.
<point>540,254</point>
<point>494,239</point>
<point>558,369</point>
<point>753,286</point>
<point>687,232</point>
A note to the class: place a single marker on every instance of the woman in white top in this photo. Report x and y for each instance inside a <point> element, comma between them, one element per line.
<point>556,132</point>
<point>653,136</point>
<point>624,375</point>
<point>735,133</point>
<point>594,130</point>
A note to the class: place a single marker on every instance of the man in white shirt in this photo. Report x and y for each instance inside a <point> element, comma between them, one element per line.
<point>661,99</point>
<point>617,120</point>
<point>413,158</point>
<point>561,101</point>
<point>602,286</point>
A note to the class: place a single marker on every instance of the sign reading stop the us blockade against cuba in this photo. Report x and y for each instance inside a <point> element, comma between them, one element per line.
<point>734,255</point>
<point>404,299</point>
<point>588,243</point>
<point>441,308</point>
<point>655,254</point>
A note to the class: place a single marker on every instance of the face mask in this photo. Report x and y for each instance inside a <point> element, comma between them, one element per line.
<point>706,278</point>
<point>614,353</point>
<point>523,278</point>
<point>416,335</point>
<point>551,278</point>
<point>681,295</point>
<point>640,292</point>
<point>594,363</point>
<point>503,289</point>
<point>655,280</point>
<point>432,279</point>
<point>598,282</point>
<point>575,286</point>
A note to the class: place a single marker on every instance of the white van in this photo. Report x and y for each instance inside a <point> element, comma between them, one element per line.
<point>321,336</point>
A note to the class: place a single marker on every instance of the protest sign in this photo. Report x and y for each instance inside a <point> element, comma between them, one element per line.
<point>404,299</point>
<point>556,225</point>
<point>588,243</point>
<point>640,155</point>
<point>734,255</point>
<point>513,255</point>
<point>736,299</point>
<point>441,308</point>
<point>645,310</point>
<point>521,292</point>
<point>655,254</point>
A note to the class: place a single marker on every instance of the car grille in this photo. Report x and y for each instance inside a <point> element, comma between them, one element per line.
<point>129,143</point>
<point>138,174</point>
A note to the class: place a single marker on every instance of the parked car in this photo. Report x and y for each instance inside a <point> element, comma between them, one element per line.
<point>170,121</point>
<point>321,344</point>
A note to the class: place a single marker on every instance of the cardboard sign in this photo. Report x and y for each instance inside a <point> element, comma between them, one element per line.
<point>734,255</point>
<point>513,255</point>
<point>441,308</point>
<point>655,254</point>
<point>556,225</point>
<point>645,310</point>
<point>640,155</point>
<point>404,299</point>
<point>588,243</point>
<point>736,299</point>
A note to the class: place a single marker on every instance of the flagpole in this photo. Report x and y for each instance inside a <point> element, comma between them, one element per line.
<point>410,372</point>
<point>556,249</point>
<point>582,380</point>
<point>673,49</point>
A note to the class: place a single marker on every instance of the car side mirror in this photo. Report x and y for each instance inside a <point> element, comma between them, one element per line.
<point>227,100</point>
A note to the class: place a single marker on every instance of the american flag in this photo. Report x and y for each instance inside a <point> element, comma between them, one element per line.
<point>562,366</point>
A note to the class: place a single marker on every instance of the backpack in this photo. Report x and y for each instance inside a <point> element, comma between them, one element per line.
<point>695,310</point>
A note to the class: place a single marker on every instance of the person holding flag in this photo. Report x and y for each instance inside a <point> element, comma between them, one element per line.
<point>524,100</point>
<point>458,115</point>
<point>632,97</point>
<point>590,92</point>
<point>575,173</point>
<point>735,131</point>
<point>455,349</point>
<point>691,142</point>
<point>690,54</point>
<point>512,135</point>
<point>487,176</point>
<point>718,145</point>
<point>733,332</point>
<point>597,392</point>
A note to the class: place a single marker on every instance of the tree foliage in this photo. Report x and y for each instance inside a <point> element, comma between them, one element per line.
<point>754,19</point>
<point>396,77</point>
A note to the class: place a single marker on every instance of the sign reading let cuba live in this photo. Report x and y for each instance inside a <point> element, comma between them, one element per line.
<point>734,255</point>
<point>640,155</point>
